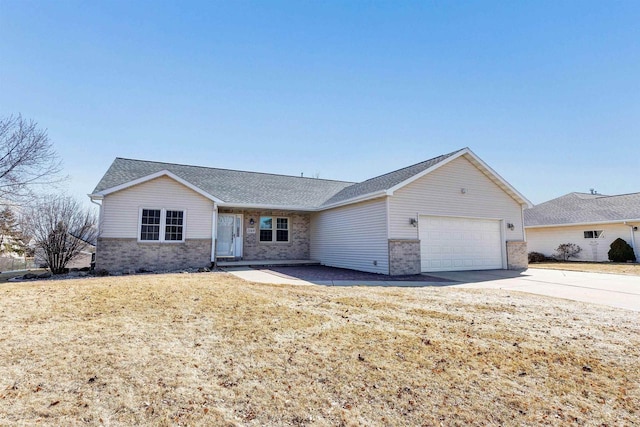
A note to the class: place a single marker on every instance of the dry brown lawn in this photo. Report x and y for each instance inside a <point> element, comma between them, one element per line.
<point>210,349</point>
<point>591,267</point>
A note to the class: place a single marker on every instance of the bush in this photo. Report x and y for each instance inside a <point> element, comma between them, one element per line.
<point>568,250</point>
<point>537,257</point>
<point>621,251</point>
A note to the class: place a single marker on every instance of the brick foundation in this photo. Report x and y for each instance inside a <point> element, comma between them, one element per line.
<point>517,257</point>
<point>404,257</point>
<point>127,255</point>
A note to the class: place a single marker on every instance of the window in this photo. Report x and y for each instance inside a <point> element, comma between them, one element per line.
<point>267,230</point>
<point>150,224</point>
<point>174,223</point>
<point>282,229</point>
<point>593,234</point>
<point>172,229</point>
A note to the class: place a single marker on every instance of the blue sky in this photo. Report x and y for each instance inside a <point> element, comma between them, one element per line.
<point>547,93</point>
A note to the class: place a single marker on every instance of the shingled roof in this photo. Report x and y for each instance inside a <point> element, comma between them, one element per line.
<point>230,186</point>
<point>386,181</point>
<point>581,208</point>
<point>243,188</point>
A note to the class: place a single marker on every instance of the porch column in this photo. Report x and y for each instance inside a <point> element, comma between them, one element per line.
<point>214,233</point>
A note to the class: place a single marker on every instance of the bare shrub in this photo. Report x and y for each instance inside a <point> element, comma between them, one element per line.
<point>568,250</point>
<point>61,229</point>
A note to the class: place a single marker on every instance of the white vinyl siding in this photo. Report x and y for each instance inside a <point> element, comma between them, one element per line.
<point>121,210</point>
<point>441,193</point>
<point>546,240</point>
<point>353,236</point>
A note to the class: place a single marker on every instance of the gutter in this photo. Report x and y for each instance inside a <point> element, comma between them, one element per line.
<point>620,221</point>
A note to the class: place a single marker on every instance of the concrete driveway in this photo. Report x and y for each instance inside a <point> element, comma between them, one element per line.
<point>609,289</point>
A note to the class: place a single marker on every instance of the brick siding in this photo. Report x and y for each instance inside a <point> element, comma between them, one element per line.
<point>517,257</point>
<point>299,236</point>
<point>404,257</point>
<point>127,255</point>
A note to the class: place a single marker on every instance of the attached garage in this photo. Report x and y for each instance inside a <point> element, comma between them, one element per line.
<point>452,243</point>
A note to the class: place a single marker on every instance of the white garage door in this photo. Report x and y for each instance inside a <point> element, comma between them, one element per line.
<point>450,244</point>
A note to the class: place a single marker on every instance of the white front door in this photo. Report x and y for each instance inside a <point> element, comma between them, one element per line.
<point>229,236</point>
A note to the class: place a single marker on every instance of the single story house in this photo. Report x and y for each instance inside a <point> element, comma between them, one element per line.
<point>591,221</point>
<point>452,212</point>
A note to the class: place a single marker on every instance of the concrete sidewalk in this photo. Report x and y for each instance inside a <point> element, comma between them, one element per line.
<point>608,289</point>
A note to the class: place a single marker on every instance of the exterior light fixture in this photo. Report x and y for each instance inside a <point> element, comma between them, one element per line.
<point>510,226</point>
<point>413,222</point>
<point>252,221</point>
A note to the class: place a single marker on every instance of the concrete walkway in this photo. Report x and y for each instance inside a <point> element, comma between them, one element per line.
<point>607,289</point>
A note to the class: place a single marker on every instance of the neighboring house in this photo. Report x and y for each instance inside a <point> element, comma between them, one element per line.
<point>592,221</point>
<point>452,212</point>
<point>84,259</point>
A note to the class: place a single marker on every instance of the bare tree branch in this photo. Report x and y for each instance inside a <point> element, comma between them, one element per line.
<point>61,229</point>
<point>27,158</point>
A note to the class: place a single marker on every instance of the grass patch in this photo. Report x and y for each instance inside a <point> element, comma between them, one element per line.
<point>592,267</point>
<point>211,349</point>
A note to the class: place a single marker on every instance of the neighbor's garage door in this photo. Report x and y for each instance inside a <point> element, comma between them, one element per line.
<point>450,244</point>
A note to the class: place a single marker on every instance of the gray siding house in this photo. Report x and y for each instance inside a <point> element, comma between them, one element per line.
<point>452,212</point>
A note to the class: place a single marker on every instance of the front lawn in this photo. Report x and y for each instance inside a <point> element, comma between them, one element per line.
<point>211,349</point>
<point>591,267</point>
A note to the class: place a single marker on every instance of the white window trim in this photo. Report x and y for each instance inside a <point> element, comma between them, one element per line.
<point>274,229</point>
<point>163,224</point>
<point>600,236</point>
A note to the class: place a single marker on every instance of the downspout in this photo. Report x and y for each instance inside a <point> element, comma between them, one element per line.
<point>214,235</point>
<point>99,215</point>
<point>95,255</point>
<point>633,239</point>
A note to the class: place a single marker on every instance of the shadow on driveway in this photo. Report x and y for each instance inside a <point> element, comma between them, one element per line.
<point>478,276</point>
<point>323,275</point>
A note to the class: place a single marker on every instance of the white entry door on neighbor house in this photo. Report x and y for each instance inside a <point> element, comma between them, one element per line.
<point>229,234</point>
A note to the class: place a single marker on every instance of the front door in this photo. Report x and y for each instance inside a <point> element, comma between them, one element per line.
<point>229,234</point>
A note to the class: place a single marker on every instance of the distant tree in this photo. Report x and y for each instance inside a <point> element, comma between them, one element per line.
<point>12,240</point>
<point>568,250</point>
<point>27,158</point>
<point>61,229</point>
<point>621,251</point>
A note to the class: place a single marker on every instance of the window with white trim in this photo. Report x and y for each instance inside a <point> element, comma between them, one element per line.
<point>274,229</point>
<point>161,225</point>
<point>593,234</point>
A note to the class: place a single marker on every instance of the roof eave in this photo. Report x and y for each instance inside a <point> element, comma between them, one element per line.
<point>152,176</point>
<point>502,183</point>
<point>267,206</point>
<point>358,199</point>
<point>576,224</point>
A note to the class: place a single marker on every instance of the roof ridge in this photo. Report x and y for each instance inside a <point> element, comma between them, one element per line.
<point>235,170</point>
<point>619,195</point>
